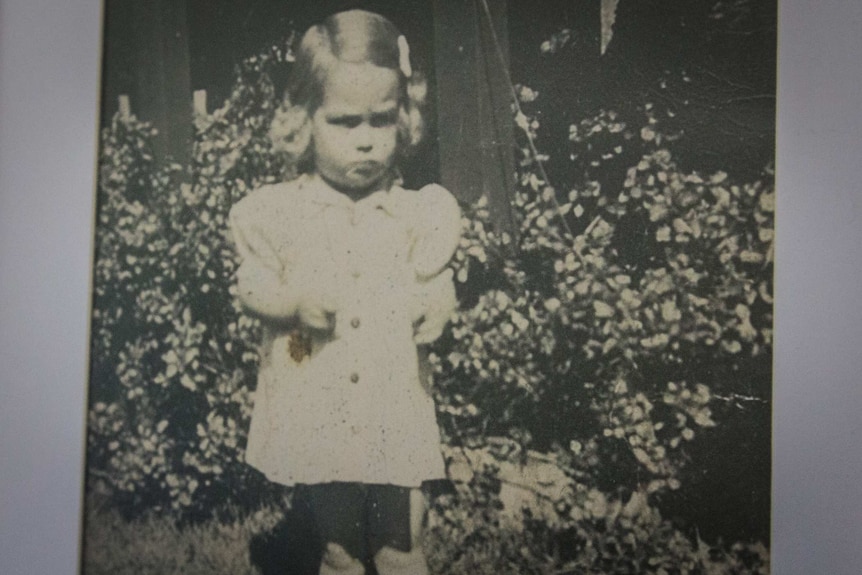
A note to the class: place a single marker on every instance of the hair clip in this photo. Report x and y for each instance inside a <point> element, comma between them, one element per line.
<point>404,57</point>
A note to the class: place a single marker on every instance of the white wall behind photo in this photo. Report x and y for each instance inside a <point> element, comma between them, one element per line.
<point>49,64</point>
<point>49,72</point>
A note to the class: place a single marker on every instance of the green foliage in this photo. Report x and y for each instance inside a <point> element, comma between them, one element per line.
<point>174,359</point>
<point>631,323</point>
<point>468,533</point>
<point>608,345</point>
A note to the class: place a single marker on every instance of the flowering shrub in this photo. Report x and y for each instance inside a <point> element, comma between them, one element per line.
<point>604,332</point>
<point>467,534</point>
<point>174,358</point>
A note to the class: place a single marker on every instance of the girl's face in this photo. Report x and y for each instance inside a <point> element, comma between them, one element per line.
<point>355,129</point>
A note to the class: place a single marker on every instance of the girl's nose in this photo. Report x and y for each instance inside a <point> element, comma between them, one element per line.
<point>364,138</point>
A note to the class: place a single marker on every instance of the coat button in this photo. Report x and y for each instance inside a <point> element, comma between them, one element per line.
<point>354,377</point>
<point>354,323</point>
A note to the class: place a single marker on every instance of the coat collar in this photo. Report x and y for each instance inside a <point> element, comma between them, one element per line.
<point>323,194</point>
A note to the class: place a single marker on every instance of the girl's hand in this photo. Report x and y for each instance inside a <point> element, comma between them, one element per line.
<point>429,328</point>
<point>312,295</point>
<point>317,318</point>
<point>316,312</point>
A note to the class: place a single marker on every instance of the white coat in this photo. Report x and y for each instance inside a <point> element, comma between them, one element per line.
<point>346,404</point>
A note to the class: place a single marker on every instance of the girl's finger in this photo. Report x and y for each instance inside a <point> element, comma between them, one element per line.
<point>315,318</point>
<point>427,331</point>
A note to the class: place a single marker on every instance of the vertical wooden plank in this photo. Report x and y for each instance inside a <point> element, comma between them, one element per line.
<point>496,124</point>
<point>473,104</point>
<point>163,93</point>
<point>457,102</point>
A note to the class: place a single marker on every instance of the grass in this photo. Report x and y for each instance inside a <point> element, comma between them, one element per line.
<point>275,541</point>
<point>155,545</point>
<point>254,544</point>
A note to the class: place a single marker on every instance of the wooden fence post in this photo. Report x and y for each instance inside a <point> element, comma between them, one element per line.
<point>474,117</point>
<point>163,94</point>
<point>199,102</point>
<point>124,106</point>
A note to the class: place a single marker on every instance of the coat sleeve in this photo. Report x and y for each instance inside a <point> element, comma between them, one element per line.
<point>436,236</point>
<point>260,277</point>
<point>435,303</point>
<point>437,231</point>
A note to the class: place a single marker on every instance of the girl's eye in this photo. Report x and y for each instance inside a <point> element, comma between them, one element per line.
<point>384,120</point>
<point>378,120</point>
<point>345,121</point>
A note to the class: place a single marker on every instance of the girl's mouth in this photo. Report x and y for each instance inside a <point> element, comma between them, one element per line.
<point>364,167</point>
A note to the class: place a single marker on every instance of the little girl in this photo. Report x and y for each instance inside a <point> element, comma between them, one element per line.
<point>347,271</point>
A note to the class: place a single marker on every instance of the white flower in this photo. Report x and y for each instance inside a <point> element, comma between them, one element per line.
<point>602,309</point>
<point>519,320</point>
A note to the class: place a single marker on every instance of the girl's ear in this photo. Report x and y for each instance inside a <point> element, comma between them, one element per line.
<point>290,131</point>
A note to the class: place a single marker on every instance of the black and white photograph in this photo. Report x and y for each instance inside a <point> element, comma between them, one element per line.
<point>432,287</point>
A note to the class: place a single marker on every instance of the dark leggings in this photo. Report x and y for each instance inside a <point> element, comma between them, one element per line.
<point>361,518</point>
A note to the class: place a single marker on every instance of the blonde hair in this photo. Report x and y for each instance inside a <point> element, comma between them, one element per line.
<point>357,37</point>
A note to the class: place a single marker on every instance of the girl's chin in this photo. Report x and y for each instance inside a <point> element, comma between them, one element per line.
<point>359,184</point>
